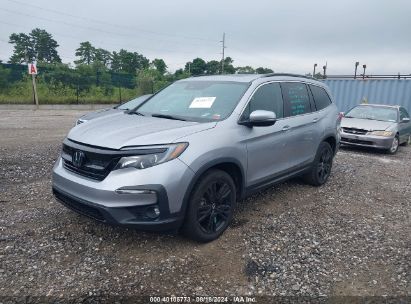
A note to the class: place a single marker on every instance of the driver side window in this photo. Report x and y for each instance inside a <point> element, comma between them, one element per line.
<point>267,97</point>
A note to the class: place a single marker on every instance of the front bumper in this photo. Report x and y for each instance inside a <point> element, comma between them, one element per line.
<point>125,216</point>
<point>372,141</point>
<point>162,187</point>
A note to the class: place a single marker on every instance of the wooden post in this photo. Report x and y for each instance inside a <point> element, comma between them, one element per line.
<point>36,100</point>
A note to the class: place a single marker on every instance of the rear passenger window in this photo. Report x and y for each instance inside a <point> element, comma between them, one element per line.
<point>321,98</point>
<point>267,97</point>
<point>296,99</point>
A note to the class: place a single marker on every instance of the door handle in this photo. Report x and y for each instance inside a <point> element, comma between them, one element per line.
<point>285,128</point>
<point>315,120</point>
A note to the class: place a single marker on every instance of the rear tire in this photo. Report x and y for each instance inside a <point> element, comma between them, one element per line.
<point>211,206</point>
<point>321,168</point>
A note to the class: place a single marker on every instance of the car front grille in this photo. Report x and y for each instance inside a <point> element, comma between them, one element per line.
<point>355,131</point>
<point>97,163</point>
<point>78,206</point>
<point>356,141</point>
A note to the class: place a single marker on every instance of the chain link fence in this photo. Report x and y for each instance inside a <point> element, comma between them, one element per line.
<point>84,84</point>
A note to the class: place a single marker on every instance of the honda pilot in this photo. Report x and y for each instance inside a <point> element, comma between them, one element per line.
<point>184,157</point>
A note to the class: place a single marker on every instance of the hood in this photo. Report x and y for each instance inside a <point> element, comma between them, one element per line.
<point>366,124</point>
<point>100,113</point>
<point>117,131</point>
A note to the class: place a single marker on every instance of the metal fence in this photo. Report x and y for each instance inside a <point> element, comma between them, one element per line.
<point>351,92</point>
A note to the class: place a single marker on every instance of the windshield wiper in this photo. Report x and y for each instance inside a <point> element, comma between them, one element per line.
<point>168,117</point>
<point>136,113</point>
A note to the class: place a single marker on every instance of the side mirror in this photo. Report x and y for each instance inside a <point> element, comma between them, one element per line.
<point>405,119</point>
<point>260,118</point>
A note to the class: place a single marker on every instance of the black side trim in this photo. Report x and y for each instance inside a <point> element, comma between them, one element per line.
<point>278,177</point>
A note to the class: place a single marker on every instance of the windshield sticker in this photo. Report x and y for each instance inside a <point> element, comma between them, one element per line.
<point>202,102</point>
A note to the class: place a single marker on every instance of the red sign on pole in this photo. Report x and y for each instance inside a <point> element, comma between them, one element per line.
<point>32,68</point>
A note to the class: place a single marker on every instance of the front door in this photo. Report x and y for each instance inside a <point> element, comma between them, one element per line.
<point>267,149</point>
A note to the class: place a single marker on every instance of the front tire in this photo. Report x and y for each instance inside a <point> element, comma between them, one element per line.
<point>394,146</point>
<point>321,168</point>
<point>211,206</point>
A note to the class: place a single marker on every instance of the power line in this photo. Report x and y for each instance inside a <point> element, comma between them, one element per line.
<point>110,24</point>
<point>93,29</point>
<point>105,42</point>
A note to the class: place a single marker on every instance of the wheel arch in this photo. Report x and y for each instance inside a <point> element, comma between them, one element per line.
<point>230,165</point>
<point>331,139</point>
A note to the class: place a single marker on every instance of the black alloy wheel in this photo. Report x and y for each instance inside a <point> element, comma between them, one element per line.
<point>210,207</point>
<point>215,207</point>
<point>324,165</point>
<point>320,170</point>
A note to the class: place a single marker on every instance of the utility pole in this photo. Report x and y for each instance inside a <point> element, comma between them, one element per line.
<point>222,60</point>
<point>315,65</point>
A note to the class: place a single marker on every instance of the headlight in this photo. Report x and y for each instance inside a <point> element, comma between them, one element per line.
<point>381,133</point>
<point>144,161</point>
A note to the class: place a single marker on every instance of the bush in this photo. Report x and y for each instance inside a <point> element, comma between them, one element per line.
<point>22,93</point>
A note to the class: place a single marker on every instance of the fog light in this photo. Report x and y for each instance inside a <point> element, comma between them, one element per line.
<point>152,212</point>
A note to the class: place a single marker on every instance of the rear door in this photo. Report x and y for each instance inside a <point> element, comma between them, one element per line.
<point>301,120</point>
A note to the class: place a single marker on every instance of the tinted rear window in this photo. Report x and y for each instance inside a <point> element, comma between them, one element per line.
<point>321,98</point>
<point>296,99</point>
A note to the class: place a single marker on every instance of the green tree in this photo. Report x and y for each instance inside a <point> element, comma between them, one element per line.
<point>23,49</point>
<point>86,52</point>
<point>125,61</point>
<point>262,70</point>
<point>103,56</point>
<point>86,76</point>
<point>196,67</point>
<point>147,79</point>
<point>160,65</point>
<point>213,67</point>
<point>60,74</point>
<point>38,45</point>
<point>245,70</point>
<point>4,77</point>
<point>228,66</point>
<point>180,74</point>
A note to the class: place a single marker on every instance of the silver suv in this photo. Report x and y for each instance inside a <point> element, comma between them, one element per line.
<point>184,157</point>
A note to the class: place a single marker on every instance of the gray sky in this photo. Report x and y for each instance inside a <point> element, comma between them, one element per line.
<point>287,36</point>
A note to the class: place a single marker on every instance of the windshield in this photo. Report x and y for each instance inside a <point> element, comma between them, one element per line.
<point>133,103</point>
<point>374,113</point>
<point>195,100</point>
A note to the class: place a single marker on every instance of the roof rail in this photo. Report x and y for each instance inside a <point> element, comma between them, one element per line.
<point>287,74</point>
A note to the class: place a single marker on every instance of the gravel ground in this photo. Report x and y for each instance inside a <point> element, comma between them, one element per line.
<point>350,237</point>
